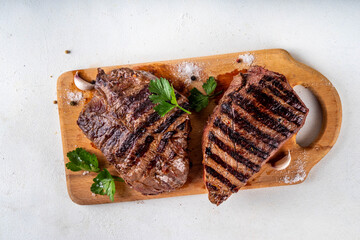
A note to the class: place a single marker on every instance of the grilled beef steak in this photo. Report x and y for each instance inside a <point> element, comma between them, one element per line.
<point>148,151</point>
<point>256,115</point>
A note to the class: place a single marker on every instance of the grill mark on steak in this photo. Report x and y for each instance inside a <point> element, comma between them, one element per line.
<point>129,142</point>
<point>211,187</point>
<point>172,155</point>
<point>181,126</point>
<point>127,102</point>
<point>237,139</point>
<point>139,152</point>
<point>154,119</point>
<point>240,176</point>
<point>218,176</point>
<point>281,101</point>
<point>140,96</point>
<point>279,90</point>
<point>107,135</point>
<point>275,76</point>
<point>152,163</point>
<point>264,118</point>
<point>236,156</point>
<point>244,80</point>
<point>274,106</point>
<point>145,147</point>
<point>144,107</point>
<point>163,156</point>
<point>164,141</point>
<point>170,120</point>
<point>246,125</point>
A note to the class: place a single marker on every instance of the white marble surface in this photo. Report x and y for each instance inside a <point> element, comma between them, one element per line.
<point>34,203</point>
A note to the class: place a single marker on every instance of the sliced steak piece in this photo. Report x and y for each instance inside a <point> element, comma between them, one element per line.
<point>148,151</point>
<point>256,115</point>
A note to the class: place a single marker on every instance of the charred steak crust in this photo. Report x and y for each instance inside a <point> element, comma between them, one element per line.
<point>148,151</point>
<point>256,115</point>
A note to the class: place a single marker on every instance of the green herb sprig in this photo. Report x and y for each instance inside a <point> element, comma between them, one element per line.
<point>80,159</point>
<point>163,94</point>
<point>104,182</point>
<point>199,101</point>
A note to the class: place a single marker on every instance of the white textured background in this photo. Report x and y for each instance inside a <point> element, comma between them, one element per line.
<point>34,203</point>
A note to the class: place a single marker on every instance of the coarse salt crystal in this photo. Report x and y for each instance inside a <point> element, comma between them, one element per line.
<point>300,176</point>
<point>247,58</point>
<point>188,69</point>
<point>85,173</point>
<point>74,96</point>
<point>179,164</point>
<point>164,178</point>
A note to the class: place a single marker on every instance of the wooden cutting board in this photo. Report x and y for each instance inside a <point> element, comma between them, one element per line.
<point>223,68</point>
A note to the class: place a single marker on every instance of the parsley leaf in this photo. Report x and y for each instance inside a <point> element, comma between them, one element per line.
<point>80,159</point>
<point>163,94</point>
<point>162,88</point>
<point>210,85</point>
<point>104,184</point>
<point>199,101</point>
<point>163,108</point>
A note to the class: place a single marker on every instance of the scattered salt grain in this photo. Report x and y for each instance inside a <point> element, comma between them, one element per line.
<point>93,194</point>
<point>300,176</point>
<point>74,96</point>
<point>85,173</point>
<point>164,178</point>
<point>300,172</point>
<point>247,58</point>
<point>186,70</point>
<point>179,164</point>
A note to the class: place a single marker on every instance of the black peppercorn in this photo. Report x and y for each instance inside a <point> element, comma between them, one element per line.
<point>193,78</point>
<point>73,103</point>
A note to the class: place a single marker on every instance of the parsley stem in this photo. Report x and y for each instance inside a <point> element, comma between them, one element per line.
<point>183,109</point>
<point>215,94</point>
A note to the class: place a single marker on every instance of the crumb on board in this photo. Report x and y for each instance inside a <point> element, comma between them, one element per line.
<point>55,102</point>
<point>67,51</point>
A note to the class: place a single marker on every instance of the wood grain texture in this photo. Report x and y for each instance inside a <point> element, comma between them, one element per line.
<point>223,67</point>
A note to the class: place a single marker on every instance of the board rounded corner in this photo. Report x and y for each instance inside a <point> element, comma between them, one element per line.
<point>72,195</point>
<point>62,76</point>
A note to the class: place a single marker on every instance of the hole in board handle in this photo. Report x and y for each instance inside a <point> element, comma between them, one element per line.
<point>312,127</point>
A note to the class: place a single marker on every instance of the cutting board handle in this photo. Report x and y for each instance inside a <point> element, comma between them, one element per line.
<point>330,103</point>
